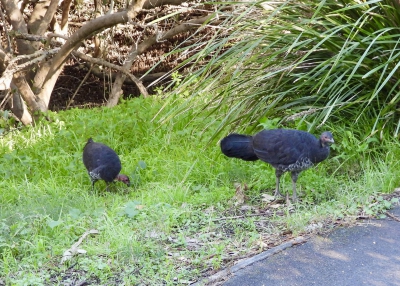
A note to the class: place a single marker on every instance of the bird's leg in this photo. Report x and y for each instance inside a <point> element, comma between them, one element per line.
<point>278,174</point>
<point>295,175</point>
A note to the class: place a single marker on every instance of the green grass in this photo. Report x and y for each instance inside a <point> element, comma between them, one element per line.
<point>167,228</point>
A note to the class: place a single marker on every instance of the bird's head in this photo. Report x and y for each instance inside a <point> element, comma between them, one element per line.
<point>326,139</point>
<point>124,179</point>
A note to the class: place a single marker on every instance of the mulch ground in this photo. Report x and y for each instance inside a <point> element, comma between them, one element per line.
<point>93,92</point>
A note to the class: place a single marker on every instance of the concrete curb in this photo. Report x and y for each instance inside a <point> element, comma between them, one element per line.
<point>246,262</point>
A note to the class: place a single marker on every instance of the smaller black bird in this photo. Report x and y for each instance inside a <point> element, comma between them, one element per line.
<point>284,149</point>
<point>102,163</point>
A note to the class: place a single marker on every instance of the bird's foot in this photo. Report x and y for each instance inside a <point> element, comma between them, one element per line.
<point>278,193</point>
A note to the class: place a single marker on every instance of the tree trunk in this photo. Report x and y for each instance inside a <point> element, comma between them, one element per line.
<point>87,30</point>
<point>19,109</point>
<point>33,101</point>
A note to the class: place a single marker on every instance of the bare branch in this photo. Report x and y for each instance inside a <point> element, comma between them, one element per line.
<point>5,99</point>
<point>4,59</point>
<point>44,80</point>
<point>16,17</point>
<point>134,8</point>
<point>39,10</point>
<point>111,9</point>
<point>6,31</point>
<point>184,27</point>
<point>2,55</point>
<point>86,31</point>
<point>192,24</point>
<point>79,86</point>
<point>5,80</point>
<point>392,216</point>
<point>69,253</point>
<point>36,38</point>
<point>12,67</point>
<point>83,33</point>
<point>65,12</point>
<point>98,61</point>
<point>144,78</point>
<point>37,57</point>
<point>44,23</point>
<point>46,89</point>
<point>116,89</point>
<point>18,24</point>
<point>156,3</point>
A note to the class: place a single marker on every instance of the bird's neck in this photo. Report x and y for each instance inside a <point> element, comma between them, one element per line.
<point>323,152</point>
<point>324,145</point>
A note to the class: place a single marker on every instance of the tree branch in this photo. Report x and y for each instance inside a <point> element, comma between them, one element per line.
<point>90,28</point>
<point>83,33</point>
<point>143,78</point>
<point>13,67</point>
<point>18,24</point>
<point>45,79</point>
<point>4,58</point>
<point>40,55</point>
<point>98,61</point>
<point>44,23</point>
<point>79,87</point>
<point>65,12</point>
<point>190,25</point>
<point>35,38</point>
<point>156,3</point>
<point>139,49</point>
<point>6,31</point>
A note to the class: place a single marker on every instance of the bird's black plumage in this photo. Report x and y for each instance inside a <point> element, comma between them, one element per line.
<point>285,149</point>
<point>102,163</point>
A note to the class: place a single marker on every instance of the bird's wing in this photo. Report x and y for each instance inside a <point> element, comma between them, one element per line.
<point>281,147</point>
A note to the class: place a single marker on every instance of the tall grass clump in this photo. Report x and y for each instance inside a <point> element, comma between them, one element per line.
<point>321,61</point>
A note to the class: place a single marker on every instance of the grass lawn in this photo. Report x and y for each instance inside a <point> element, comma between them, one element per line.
<point>183,218</point>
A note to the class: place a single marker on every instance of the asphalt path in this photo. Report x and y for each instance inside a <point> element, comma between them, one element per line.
<point>366,254</point>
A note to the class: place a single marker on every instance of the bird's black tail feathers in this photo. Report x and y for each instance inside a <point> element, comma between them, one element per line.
<point>238,146</point>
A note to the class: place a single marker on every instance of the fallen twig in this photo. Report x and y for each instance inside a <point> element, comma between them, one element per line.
<point>74,248</point>
<point>239,216</point>
<point>392,216</point>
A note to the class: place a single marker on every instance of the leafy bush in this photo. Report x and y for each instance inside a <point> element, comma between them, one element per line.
<point>324,62</point>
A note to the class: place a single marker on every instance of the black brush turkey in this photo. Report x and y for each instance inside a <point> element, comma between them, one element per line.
<point>102,163</point>
<point>284,149</point>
